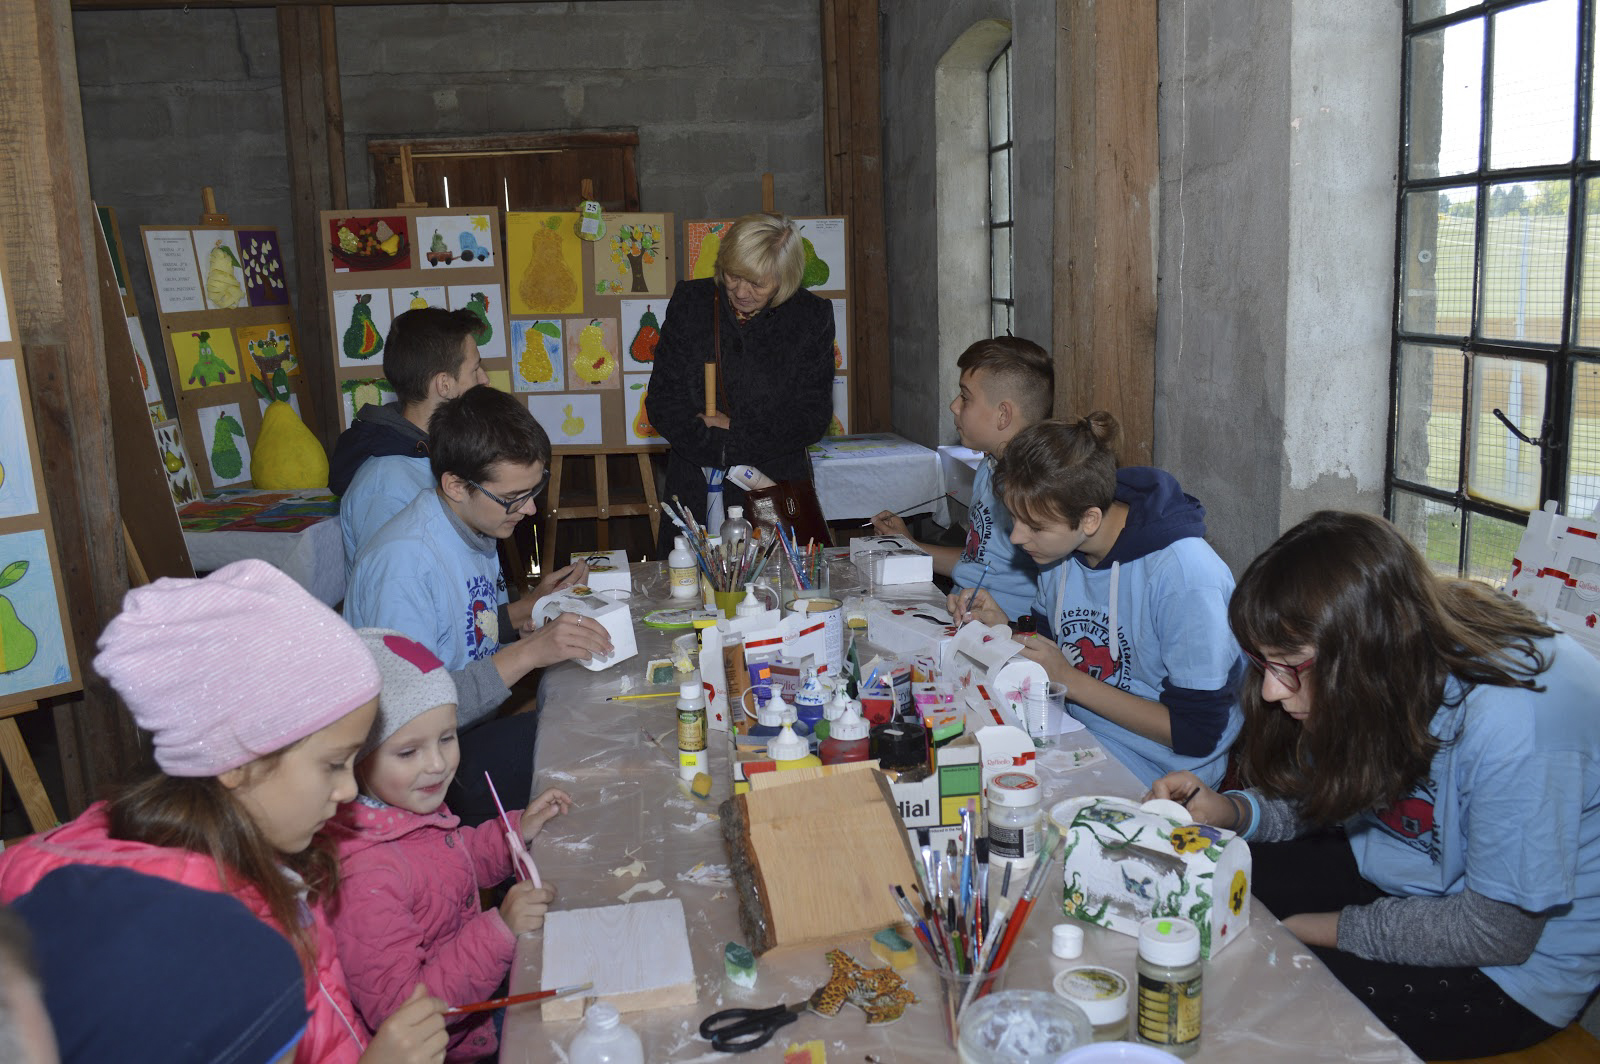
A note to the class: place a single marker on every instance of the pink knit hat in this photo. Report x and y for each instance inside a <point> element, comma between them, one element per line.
<point>226,669</point>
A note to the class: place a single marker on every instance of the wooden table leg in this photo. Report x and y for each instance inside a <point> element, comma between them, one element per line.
<point>647,477</point>
<point>24,774</point>
<point>602,502</point>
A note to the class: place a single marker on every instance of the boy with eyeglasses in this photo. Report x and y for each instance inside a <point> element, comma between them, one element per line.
<point>381,461</point>
<point>433,572</point>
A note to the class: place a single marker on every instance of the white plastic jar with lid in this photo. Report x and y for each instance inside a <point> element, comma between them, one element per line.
<point>1169,974</point>
<point>1102,994</point>
<point>1014,817</point>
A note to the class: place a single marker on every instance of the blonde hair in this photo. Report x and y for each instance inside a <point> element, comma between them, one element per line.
<point>765,248</point>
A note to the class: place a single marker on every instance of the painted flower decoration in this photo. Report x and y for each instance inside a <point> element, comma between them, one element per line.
<point>1237,891</point>
<point>1194,838</point>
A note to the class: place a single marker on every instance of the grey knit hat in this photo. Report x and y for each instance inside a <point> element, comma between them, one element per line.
<point>414,681</point>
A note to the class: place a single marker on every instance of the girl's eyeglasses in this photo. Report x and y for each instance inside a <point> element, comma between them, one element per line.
<point>1288,675</point>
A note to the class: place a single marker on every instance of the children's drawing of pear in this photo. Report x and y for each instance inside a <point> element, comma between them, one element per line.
<point>18,644</point>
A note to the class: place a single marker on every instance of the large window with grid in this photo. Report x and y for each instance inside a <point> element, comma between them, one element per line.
<point>1496,374</point>
<point>1002,307</point>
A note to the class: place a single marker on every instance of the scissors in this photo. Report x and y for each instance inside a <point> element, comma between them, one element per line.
<point>741,1030</point>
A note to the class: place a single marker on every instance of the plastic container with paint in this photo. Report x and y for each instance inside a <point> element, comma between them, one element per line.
<point>693,757</point>
<point>848,740</point>
<point>809,700</point>
<point>683,573</point>
<point>1102,994</point>
<point>789,751</point>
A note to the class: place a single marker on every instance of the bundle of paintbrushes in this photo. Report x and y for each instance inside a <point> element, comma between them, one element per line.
<point>807,563</point>
<point>954,924</point>
<point>728,567</point>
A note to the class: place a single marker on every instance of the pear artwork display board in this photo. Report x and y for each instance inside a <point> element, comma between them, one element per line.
<point>36,652</point>
<point>228,329</point>
<point>585,319</point>
<point>826,242</point>
<point>379,264</point>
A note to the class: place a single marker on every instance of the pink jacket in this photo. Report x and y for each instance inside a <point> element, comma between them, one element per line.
<point>334,1035</point>
<point>408,912</point>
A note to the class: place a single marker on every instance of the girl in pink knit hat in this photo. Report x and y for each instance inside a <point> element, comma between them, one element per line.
<point>257,699</point>
<point>408,907</point>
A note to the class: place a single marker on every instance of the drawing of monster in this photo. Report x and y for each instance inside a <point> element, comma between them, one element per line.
<point>225,457</point>
<point>361,339</point>
<point>271,353</point>
<point>208,368</point>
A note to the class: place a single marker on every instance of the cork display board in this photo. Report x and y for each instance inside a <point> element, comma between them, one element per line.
<point>379,264</point>
<point>228,331</point>
<point>37,657</point>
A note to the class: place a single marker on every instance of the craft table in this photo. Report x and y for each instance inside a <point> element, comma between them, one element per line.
<point>296,531</point>
<point>861,475</point>
<point>1266,999</point>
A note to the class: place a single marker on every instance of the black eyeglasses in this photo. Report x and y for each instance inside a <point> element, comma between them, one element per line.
<point>516,502</point>
<point>1288,675</point>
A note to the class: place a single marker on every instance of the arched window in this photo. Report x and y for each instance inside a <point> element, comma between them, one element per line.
<point>1002,305</point>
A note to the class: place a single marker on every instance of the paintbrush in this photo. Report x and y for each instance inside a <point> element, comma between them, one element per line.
<point>966,607</point>
<point>518,999</point>
<point>906,509</point>
<point>1019,915</point>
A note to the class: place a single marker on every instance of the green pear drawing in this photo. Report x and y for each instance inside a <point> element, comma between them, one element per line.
<point>816,270</point>
<point>18,644</point>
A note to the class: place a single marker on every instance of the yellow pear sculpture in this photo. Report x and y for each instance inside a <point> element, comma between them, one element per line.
<point>286,457</point>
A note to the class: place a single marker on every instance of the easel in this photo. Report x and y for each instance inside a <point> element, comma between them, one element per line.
<point>24,775</point>
<point>603,508</point>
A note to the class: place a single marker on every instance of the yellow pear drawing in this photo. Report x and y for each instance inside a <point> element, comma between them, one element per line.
<point>535,365</point>
<point>705,265</point>
<point>570,425</point>
<point>594,362</point>
<point>547,286</point>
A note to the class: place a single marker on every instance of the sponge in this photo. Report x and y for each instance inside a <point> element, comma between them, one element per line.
<point>701,785</point>
<point>740,964</point>
<point>894,949</point>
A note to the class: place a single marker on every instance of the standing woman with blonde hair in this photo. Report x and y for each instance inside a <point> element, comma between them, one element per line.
<point>1424,809</point>
<point>773,345</point>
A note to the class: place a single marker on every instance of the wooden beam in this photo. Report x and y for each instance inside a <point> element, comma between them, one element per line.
<point>312,148</point>
<point>1107,161</point>
<point>853,171</point>
<point>50,225</point>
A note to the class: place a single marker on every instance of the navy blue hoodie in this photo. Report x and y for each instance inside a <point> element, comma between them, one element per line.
<point>377,430</point>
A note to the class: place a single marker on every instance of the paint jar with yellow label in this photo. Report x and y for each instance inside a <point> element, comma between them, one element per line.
<point>1169,974</point>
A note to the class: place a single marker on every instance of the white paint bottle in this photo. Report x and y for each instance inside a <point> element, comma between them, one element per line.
<point>682,573</point>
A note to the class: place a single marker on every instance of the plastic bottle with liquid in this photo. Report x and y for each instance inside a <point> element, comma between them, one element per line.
<point>683,574</point>
<point>831,712</point>
<point>789,750</point>
<point>769,718</point>
<point>605,1039</point>
<point>735,530</point>
<point>692,755</point>
<point>809,700</point>
<point>848,739</point>
<point>750,605</point>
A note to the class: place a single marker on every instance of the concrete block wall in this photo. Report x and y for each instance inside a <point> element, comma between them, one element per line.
<point>720,91</point>
<point>916,34</point>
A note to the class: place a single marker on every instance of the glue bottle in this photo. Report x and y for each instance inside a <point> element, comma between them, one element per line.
<point>735,531</point>
<point>789,750</point>
<point>749,606</point>
<point>692,758</point>
<point>605,1039</point>
<point>809,700</point>
<point>847,739</point>
<point>682,572</point>
<point>831,712</point>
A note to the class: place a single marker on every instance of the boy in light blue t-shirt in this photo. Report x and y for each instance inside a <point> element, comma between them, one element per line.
<point>1007,384</point>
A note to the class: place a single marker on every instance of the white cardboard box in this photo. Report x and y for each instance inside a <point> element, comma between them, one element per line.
<point>608,570</point>
<point>586,602</point>
<point>903,562</point>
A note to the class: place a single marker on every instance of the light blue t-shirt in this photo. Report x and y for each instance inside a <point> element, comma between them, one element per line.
<point>1171,625</point>
<point>1013,578</point>
<point>1511,809</point>
<point>380,489</point>
<point>427,575</point>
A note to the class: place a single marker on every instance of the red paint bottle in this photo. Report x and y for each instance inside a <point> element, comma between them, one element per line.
<point>847,740</point>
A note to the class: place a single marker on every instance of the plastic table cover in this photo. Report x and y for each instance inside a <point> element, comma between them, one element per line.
<point>1266,997</point>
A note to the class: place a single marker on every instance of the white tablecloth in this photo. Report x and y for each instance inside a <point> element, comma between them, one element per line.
<point>313,557</point>
<point>1266,997</point>
<point>858,476</point>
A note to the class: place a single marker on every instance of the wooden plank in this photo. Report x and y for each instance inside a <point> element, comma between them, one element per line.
<point>637,956</point>
<point>25,777</point>
<point>309,151</point>
<point>1108,158</point>
<point>44,197</point>
<point>333,109</point>
<point>853,171</point>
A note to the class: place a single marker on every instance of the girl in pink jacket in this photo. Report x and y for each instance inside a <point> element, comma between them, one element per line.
<point>257,698</point>
<point>408,904</point>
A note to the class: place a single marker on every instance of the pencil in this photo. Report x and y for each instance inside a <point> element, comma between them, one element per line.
<point>652,694</point>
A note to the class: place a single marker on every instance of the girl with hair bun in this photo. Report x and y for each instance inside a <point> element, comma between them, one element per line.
<point>1132,608</point>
